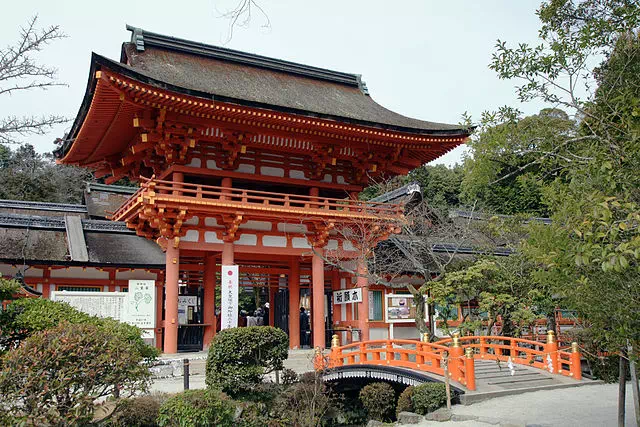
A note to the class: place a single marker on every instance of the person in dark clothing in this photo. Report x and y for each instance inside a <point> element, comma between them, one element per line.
<point>265,315</point>
<point>305,333</point>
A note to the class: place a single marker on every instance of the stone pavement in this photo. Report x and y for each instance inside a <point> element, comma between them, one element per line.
<point>590,406</point>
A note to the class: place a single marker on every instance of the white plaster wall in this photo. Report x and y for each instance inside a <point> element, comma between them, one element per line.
<point>300,243</point>
<point>297,174</point>
<point>195,162</point>
<point>271,171</point>
<point>405,332</point>
<point>245,168</point>
<point>211,237</point>
<point>292,228</point>
<point>378,333</point>
<point>79,273</point>
<point>256,225</point>
<point>210,222</point>
<point>211,164</point>
<point>274,241</point>
<point>135,274</point>
<point>191,236</point>
<point>192,221</point>
<point>247,240</point>
<point>9,270</point>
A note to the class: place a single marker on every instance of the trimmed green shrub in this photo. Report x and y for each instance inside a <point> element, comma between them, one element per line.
<point>302,404</point>
<point>404,401</point>
<point>254,414</point>
<point>197,408</point>
<point>239,358</point>
<point>379,399</point>
<point>55,375</point>
<point>288,377</point>
<point>26,316</point>
<point>139,411</point>
<point>428,397</point>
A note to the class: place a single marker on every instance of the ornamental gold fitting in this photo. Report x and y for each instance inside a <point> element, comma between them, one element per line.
<point>318,351</point>
<point>551,337</point>
<point>468,352</point>
<point>335,341</point>
<point>456,339</point>
<point>574,347</point>
<point>424,337</point>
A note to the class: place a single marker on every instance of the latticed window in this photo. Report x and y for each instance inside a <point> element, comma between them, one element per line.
<point>376,306</point>
<point>79,288</point>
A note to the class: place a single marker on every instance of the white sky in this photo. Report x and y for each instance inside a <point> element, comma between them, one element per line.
<point>426,59</point>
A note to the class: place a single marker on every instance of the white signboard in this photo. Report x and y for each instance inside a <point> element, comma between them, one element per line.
<point>229,311</point>
<point>185,314</point>
<point>101,304</point>
<point>136,307</point>
<point>141,304</point>
<point>346,296</point>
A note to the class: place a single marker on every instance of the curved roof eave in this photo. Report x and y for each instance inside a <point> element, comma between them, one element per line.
<point>98,62</point>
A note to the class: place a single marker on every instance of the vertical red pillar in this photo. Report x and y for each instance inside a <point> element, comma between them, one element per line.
<point>294,303</point>
<point>317,308</point>
<point>363,308</point>
<point>272,306</point>
<point>159,294</point>
<point>171,298</point>
<point>227,253</point>
<point>209,303</point>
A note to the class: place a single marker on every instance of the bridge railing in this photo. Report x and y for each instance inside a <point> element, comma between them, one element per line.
<point>459,353</point>
<point>410,354</point>
<point>536,354</point>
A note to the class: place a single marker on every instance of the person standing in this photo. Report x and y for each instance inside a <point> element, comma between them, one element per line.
<point>305,333</point>
<point>265,315</point>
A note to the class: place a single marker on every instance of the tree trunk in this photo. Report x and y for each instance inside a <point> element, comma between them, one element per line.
<point>622,389</point>
<point>418,300</point>
<point>634,383</point>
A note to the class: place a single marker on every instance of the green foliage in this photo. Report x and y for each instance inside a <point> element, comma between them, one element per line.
<point>141,411</point>
<point>8,288</point>
<point>303,404</point>
<point>288,377</point>
<point>197,408</point>
<point>503,288</point>
<point>507,167</point>
<point>428,397</point>
<point>254,414</point>
<point>238,358</point>
<point>379,399</point>
<point>26,316</point>
<point>28,175</point>
<point>404,401</point>
<point>55,376</point>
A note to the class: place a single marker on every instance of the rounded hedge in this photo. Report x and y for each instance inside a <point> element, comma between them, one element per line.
<point>141,411</point>
<point>428,397</point>
<point>239,357</point>
<point>404,401</point>
<point>197,408</point>
<point>379,399</point>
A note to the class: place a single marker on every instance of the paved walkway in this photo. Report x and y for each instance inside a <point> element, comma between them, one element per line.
<point>590,406</point>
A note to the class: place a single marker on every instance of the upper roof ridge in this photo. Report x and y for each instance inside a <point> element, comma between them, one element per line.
<point>142,39</point>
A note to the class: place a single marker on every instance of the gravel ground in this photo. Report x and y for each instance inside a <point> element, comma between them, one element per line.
<point>587,406</point>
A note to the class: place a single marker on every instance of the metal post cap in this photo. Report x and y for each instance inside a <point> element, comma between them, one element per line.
<point>456,339</point>
<point>551,337</point>
<point>468,352</point>
<point>335,341</point>
<point>574,347</point>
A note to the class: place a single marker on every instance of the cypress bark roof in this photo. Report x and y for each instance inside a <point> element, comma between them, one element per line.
<point>241,77</point>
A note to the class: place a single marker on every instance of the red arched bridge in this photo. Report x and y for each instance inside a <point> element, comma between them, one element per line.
<point>463,359</point>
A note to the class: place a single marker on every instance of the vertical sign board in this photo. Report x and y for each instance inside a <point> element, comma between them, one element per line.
<point>229,283</point>
<point>141,305</point>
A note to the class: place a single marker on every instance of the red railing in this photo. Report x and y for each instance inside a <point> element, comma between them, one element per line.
<point>460,353</point>
<point>159,191</point>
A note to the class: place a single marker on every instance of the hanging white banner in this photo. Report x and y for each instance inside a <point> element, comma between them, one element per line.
<point>229,311</point>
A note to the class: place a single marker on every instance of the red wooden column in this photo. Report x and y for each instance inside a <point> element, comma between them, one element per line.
<point>294,303</point>
<point>209,303</point>
<point>272,306</point>
<point>159,294</point>
<point>363,308</point>
<point>317,308</point>
<point>227,253</point>
<point>171,295</point>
